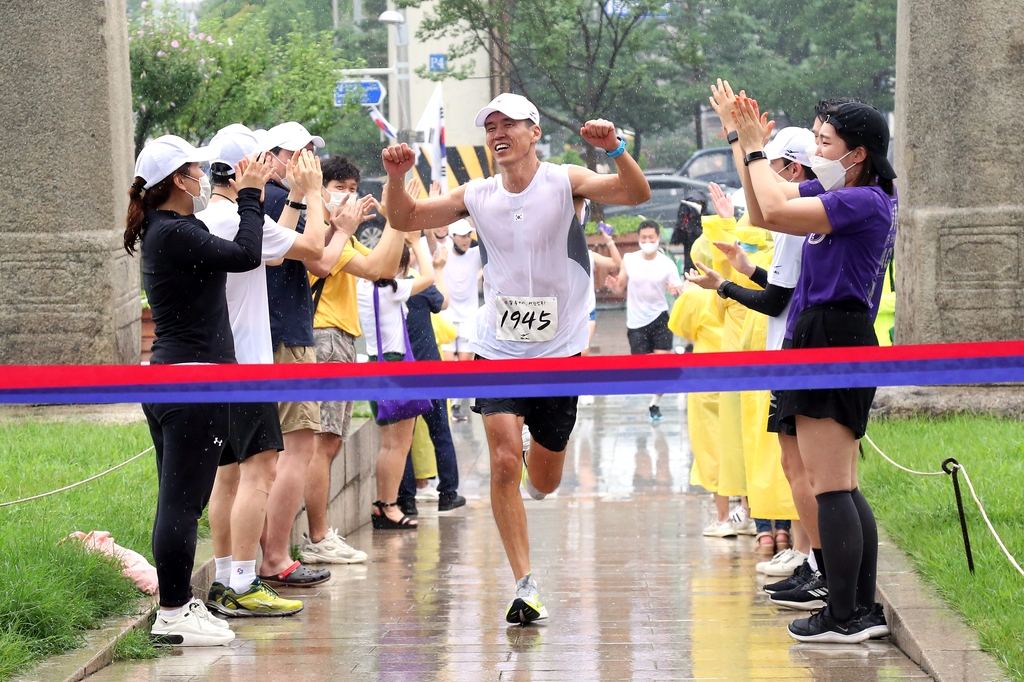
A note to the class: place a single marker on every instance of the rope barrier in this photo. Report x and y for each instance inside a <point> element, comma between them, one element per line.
<point>953,467</point>
<point>75,485</point>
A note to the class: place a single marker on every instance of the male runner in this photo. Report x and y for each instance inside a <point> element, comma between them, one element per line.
<point>536,275</point>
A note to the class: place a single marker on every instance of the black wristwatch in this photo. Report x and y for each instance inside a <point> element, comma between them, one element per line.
<point>298,205</point>
<point>732,137</point>
<point>753,156</point>
<point>722,287</point>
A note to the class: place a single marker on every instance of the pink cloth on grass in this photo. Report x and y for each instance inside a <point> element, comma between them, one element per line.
<point>134,564</point>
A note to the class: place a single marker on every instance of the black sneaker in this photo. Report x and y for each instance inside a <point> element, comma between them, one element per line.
<point>811,595</point>
<point>449,501</point>
<point>408,506</point>
<point>655,413</point>
<point>801,575</point>
<point>873,621</point>
<point>822,627</point>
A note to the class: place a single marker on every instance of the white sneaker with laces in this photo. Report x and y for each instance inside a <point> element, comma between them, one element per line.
<point>720,529</point>
<point>219,622</point>
<point>192,627</point>
<point>428,493</point>
<point>783,564</point>
<point>331,550</point>
<point>741,522</point>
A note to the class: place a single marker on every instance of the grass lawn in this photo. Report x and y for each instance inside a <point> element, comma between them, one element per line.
<point>920,514</point>
<point>49,592</point>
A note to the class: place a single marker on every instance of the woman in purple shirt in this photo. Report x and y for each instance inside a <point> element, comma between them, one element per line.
<point>849,218</point>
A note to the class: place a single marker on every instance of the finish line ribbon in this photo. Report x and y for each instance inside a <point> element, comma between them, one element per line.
<point>922,365</point>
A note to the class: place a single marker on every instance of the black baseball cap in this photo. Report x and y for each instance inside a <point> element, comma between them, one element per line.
<point>862,125</point>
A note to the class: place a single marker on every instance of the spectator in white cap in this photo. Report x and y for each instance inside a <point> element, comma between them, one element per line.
<point>244,480</point>
<point>184,271</point>
<point>462,275</point>
<point>291,333</point>
<point>536,295</point>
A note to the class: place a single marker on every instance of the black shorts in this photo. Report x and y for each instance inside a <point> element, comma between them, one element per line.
<point>550,420</point>
<point>252,428</point>
<point>774,426</point>
<point>650,337</point>
<point>835,325</point>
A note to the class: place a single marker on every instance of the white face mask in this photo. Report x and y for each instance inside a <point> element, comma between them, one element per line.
<point>649,247</point>
<point>336,199</point>
<point>831,174</point>
<point>199,203</point>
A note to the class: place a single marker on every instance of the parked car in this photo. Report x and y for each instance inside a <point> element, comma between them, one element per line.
<point>666,193</point>
<point>370,231</point>
<point>712,165</point>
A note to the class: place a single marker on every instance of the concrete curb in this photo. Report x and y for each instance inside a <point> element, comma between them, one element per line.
<point>98,650</point>
<point>924,628</point>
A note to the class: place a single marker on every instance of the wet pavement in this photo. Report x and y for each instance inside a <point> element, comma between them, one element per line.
<point>633,590</point>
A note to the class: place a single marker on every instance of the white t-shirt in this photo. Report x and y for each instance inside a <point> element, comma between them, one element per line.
<point>648,282</point>
<point>392,309</point>
<point>783,272</point>
<point>533,250</point>
<point>248,308</point>
<point>461,274</point>
<point>592,294</point>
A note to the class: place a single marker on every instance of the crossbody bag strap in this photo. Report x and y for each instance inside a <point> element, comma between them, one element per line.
<point>318,290</point>
<point>376,319</point>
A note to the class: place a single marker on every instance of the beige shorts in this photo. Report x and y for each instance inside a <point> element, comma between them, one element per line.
<point>335,345</point>
<point>304,415</point>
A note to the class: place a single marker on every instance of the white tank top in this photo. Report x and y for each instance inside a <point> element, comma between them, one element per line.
<point>532,245</point>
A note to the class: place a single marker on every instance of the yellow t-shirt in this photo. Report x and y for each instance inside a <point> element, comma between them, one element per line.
<point>338,307</point>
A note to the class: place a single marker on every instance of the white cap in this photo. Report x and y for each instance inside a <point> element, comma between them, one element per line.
<point>166,154</point>
<point>291,136</point>
<point>515,107</point>
<point>792,144</point>
<point>233,143</point>
<point>460,228</point>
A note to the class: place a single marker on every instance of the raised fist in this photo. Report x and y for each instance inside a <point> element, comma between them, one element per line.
<point>398,159</point>
<point>601,134</point>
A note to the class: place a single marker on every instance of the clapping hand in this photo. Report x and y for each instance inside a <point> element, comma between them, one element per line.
<point>753,127</point>
<point>305,174</point>
<point>351,213</point>
<point>414,187</point>
<point>435,189</point>
<point>704,277</point>
<point>723,101</point>
<point>440,257</point>
<point>723,204</point>
<point>737,257</point>
<point>252,174</point>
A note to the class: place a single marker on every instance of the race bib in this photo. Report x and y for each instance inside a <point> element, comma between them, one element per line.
<point>528,319</point>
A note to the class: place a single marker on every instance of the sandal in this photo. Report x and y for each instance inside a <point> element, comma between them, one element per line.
<point>382,522</point>
<point>782,540</point>
<point>762,547</point>
<point>297,575</point>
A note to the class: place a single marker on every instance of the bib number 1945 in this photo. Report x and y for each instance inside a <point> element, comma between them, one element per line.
<point>529,319</point>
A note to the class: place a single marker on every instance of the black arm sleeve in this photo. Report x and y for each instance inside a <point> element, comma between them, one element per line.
<point>760,277</point>
<point>771,301</point>
<point>188,244</point>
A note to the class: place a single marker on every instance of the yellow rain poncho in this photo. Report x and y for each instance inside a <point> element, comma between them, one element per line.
<point>697,316</point>
<point>768,491</point>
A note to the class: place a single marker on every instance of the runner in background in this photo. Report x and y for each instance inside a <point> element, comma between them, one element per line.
<point>462,274</point>
<point>646,276</point>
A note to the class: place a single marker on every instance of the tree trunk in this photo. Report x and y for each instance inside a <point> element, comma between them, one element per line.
<point>698,126</point>
<point>591,157</point>
<point>636,145</point>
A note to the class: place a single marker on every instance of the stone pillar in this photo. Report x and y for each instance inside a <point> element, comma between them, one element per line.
<point>68,291</point>
<point>959,143</point>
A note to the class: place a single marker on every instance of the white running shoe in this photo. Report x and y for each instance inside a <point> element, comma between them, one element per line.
<point>743,525</point>
<point>720,529</point>
<point>331,550</point>
<point>527,606</point>
<point>586,400</point>
<point>219,622</point>
<point>192,627</point>
<point>526,439</point>
<point>427,493</point>
<point>783,564</point>
<point>533,492</point>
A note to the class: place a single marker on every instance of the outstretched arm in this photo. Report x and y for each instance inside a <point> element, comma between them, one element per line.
<point>628,187</point>
<point>407,214</point>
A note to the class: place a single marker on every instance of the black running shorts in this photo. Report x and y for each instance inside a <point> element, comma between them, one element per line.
<point>252,428</point>
<point>650,337</point>
<point>835,325</point>
<point>550,420</point>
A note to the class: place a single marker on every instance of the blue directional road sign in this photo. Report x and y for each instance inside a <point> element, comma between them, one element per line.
<point>438,62</point>
<point>368,91</point>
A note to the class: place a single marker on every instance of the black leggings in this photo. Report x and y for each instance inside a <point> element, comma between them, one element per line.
<point>189,440</point>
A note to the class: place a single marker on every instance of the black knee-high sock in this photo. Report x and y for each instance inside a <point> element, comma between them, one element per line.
<point>842,543</point>
<point>819,559</point>
<point>869,558</point>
